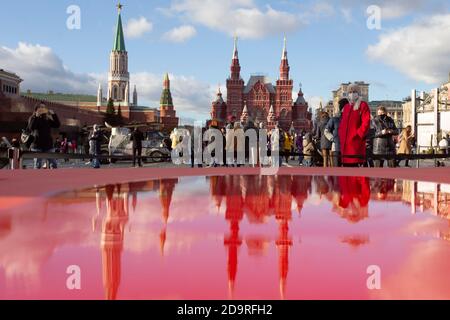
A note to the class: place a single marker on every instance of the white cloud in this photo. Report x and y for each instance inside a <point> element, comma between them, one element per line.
<point>237,17</point>
<point>420,50</point>
<point>180,34</point>
<point>136,28</point>
<point>43,70</point>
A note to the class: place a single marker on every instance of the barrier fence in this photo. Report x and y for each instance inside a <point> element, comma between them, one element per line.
<point>16,156</point>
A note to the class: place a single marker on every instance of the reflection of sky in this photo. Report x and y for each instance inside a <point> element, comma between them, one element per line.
<point>327,259</point>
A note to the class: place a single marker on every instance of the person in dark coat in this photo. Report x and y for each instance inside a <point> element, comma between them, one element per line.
<point>369,145</point>
<point>332,134</point>
<point>383,143</point>
<point>95,145</point>
<point>299,146</point>
<point>137,137</point>
<point>325,144</point>
<point>41,124</point>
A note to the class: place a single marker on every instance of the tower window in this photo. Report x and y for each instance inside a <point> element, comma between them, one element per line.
<point>115,93</point>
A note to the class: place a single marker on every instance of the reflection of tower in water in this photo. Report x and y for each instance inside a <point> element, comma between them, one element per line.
<point>166,188</point>
<point>112,239</point>
<point>259,197</point>
<point>113,227</point>
<point>234,214</point>
<point>217,189</point>
<point>282,205</point>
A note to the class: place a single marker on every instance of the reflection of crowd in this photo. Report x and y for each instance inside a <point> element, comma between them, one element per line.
<point>260,197</point>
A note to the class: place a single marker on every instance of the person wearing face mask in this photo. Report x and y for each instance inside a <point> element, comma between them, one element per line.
<point>383,143</point>
<point>353,128</point>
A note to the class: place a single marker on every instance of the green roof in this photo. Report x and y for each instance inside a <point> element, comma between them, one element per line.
<point>119,42</point>
<point>166,98</point>
<point>61,97</point>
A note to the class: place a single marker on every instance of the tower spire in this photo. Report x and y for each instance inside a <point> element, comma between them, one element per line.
<point>284,53</point>
<point>166,82</point>
<point>235,51</point>
<point>119,41</point>
<point>284,66</point>
<point>235,66</point>
<point>118,76</point>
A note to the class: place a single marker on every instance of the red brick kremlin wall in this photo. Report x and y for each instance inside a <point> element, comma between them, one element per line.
<point>15,112</point>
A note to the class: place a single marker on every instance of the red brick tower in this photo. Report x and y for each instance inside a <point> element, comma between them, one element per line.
<point>168,117</point>
<point>235,87</point>
<point>283,98</point>
<point>301,117</point>
<point>219,110</point>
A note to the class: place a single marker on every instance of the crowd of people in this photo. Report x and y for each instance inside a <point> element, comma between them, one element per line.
<point>351,138</point>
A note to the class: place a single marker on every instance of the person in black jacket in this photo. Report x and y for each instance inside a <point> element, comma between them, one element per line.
<point>40,125</point>
<point>95,146</point>
<point>383,142</point>
<point>369,145</point>
<point>137,137</point>
<point>325,144</point>
<point>331,132</point>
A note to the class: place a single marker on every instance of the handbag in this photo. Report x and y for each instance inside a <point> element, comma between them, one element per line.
<point>27,137</point>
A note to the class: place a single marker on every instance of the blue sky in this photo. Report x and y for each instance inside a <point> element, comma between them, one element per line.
<point>328,43</point>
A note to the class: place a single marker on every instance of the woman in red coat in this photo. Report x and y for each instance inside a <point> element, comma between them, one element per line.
<point>355,123</point>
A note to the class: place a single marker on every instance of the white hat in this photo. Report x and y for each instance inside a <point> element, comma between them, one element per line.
<point>354,87</point>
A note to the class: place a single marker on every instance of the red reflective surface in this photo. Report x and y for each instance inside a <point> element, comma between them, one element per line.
<point>231,237</point>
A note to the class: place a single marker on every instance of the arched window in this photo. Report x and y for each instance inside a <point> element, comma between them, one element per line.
<point>283,113</point>
<point>115,93</point>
